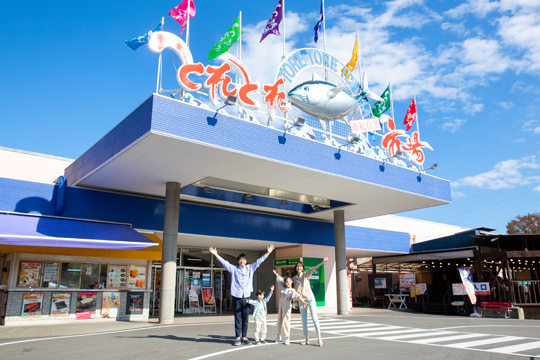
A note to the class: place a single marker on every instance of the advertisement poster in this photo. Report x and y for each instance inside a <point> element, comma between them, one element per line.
<point>407,280</point>
<point>29,275</point>
<point>117,276</point>
<point>135,303</point>
<point>349,276</point>
<point>110,304</point>
<point>208,296</point>
<point>380,283</point>
<point>86,305</point>
<point>421,288</point>
<point>206,280</point>
<point>50,274</point>
<point>195,284</point>
<point>60,304</point>
<point>193,300</point>
<point>32,303</point>
<point>137,276</point>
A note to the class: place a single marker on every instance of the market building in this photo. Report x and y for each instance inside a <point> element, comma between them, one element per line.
<point>179,175</point>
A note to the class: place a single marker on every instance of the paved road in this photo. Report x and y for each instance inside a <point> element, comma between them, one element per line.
<point>366,334</point>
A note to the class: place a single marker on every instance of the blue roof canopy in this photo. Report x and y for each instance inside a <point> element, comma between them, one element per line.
<point>31,230</point>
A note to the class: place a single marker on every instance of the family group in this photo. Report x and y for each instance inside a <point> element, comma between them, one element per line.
<point>292,290</point>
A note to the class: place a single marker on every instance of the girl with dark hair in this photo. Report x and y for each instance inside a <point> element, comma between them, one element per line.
<point>302,286</point>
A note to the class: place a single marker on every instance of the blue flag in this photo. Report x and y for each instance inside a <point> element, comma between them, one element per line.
<point>141,40</point>
<point>318,27</point>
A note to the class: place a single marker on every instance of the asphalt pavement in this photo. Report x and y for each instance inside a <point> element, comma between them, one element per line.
<point>364,333</point>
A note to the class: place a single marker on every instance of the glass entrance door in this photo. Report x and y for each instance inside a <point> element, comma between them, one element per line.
<point>199,290</point>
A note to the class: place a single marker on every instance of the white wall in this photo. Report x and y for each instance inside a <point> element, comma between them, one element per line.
<point>419,230</point>
<point>28,166</point>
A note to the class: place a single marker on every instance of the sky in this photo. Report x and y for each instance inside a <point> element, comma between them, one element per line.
<point>67,78</point>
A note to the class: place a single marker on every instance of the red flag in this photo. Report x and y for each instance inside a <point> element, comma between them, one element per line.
<point>410,116</point>
<point>179,13</point>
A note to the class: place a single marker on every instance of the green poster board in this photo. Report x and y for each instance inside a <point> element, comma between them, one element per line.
<point>317,279</point>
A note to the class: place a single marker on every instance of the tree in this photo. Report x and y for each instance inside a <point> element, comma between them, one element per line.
<point>526,224</point>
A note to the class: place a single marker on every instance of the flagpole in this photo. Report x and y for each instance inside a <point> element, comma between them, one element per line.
<point>283,12</point>
<point>159,61</point>
<point>324,26</point>
<point>187,14</point>
<point>359,61</point>
<point>240,38</point>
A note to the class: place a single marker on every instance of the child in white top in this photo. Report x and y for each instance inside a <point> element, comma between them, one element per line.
<point>288,295</point>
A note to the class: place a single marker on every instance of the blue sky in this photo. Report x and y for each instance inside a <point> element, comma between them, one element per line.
<point>68,78</point>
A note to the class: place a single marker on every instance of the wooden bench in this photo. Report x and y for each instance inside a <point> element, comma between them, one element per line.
<point>500,307</point>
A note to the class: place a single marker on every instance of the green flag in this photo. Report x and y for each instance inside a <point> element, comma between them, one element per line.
<point>381,106</point>
<point>226,41</point>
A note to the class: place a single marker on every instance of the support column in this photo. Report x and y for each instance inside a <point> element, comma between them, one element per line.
<point>168,255</point>
<point>341,263</point>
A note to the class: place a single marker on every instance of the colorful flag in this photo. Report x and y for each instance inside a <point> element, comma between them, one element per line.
<point>410,116</point>
<point>318,27</point>
<point>273,24</point>
<point>226,41</point>
<point>354,59</point>
<point>466,278</point>
<point>381,106</point>
<point>179,13</point>
<point>141,40</point>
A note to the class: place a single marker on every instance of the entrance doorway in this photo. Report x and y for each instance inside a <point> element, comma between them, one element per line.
<point>199,290</point>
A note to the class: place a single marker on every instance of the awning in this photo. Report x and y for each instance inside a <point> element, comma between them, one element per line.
<point>30,230</point>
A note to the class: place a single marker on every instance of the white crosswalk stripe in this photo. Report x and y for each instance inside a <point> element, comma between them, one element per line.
<point>501,344</point>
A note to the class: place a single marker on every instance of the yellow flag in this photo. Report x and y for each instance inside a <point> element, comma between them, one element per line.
<point>354,59</point>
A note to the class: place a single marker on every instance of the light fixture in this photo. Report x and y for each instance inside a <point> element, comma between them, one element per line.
<point>432,167</point>
<point>397,154</point>
<point>284,202</point>
<point>248,197</point>
<point>298,122</point>
<point>206,189</point>
<point>231,100</point>
<point>494,239</point>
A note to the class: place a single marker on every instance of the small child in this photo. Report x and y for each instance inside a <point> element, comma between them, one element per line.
<point>259,315</point>
<point>288,295</point>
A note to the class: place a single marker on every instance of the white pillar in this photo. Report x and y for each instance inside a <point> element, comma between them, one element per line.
<point>168,255</point>
<point>341,263</point>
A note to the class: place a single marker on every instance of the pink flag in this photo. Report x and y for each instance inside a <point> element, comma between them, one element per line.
<point>410,116</point>
<point>179,13</point>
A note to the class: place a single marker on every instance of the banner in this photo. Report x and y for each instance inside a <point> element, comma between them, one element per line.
<point>466,278</point>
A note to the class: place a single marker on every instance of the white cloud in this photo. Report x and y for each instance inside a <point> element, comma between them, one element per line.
<point>479,8</point>
<point>506,104</point>
<point>532,126</point>
<point>537,188</point>
<point>504,175</point>
<point>453,125</point>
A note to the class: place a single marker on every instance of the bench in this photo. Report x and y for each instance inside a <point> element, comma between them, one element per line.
<point>500,307</point>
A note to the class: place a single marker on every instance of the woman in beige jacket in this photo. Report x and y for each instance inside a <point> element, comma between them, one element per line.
<point>302,286</point>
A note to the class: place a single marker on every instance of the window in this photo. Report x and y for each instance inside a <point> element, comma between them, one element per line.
<point>90,276</point>
<point>70,275</point>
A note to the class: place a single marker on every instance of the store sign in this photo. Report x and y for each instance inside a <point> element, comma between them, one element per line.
<point>480,288</point>
<point>286,262</point>
<point>336,96</point>
<point>364,125</point>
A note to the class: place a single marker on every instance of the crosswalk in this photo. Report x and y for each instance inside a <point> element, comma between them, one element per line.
<point>500,344</point>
